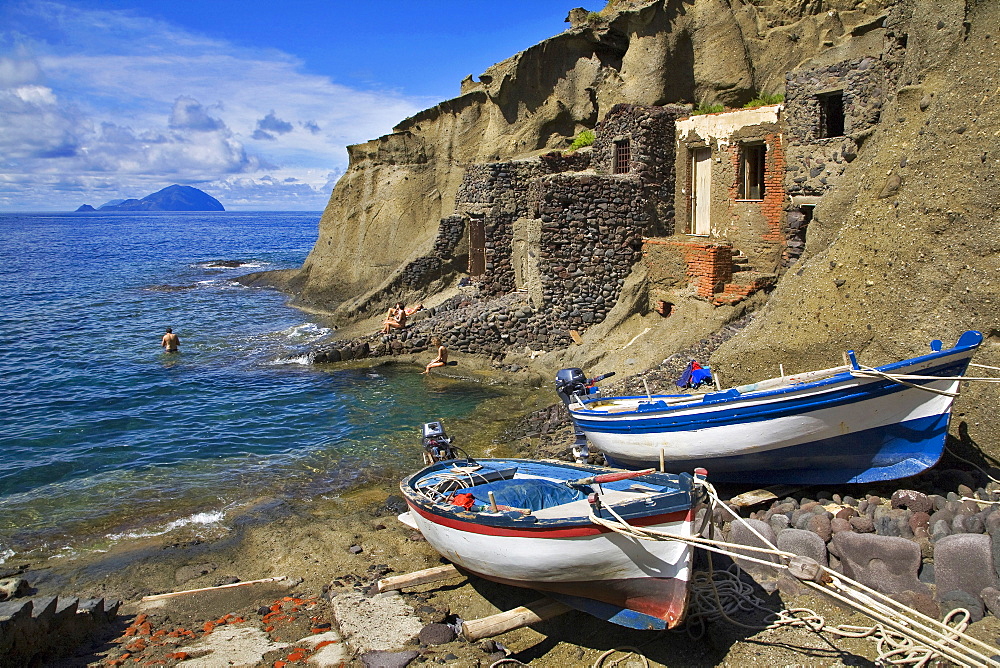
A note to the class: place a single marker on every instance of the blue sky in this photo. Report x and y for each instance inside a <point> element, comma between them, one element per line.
<point>252,102</point>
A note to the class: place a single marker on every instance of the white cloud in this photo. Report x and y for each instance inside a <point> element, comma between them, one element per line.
<point>109,104</point>
<point>189,114</point>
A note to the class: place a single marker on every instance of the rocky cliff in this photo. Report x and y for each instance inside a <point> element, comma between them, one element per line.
<point>385,210</point>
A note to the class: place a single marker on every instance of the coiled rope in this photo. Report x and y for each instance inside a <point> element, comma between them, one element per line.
<point>905,636</point>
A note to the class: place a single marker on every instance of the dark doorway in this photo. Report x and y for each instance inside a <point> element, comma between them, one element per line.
<point>477,246</point>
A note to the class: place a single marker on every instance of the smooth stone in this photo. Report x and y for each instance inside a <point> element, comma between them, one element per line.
<point>778,523</point>
<point>846,513</point>
<point>862,524</point>
<point>991,597</point>
<point>964,562</point>
<point>803,543</point>
<point>919,601</point>
<point>741,535</point>
<point>837,525</point>
<point>437,634</point>
<point>820,525</point>
<point>956,598</point>
<point>381,659</point>
<point>919,519</point>
<point>885,563</point>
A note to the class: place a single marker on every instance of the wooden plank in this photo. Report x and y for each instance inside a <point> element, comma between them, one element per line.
<point>156,597</point>
<point>756,496</point>
<point>575,335</point>
<point>502,622</point>
<point>417,578</point>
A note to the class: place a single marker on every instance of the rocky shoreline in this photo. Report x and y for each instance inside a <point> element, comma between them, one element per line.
<point>927,541</point>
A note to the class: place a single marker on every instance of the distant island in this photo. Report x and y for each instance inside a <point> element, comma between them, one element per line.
<point>171,198</point>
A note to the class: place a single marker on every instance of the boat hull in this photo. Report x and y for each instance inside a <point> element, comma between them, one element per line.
<point>571,557</point>
<point>645,576</point>
<point>844,429</point>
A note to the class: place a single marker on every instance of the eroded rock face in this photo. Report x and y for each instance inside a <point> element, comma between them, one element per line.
<point>385,210</point>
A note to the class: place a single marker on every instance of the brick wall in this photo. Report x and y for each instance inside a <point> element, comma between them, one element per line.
<point>709,265</point>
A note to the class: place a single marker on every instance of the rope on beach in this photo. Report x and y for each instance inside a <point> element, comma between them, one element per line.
<point>723,594</point>
<point>905,636</point>
<point>975,465</point>
<point>628,651</point>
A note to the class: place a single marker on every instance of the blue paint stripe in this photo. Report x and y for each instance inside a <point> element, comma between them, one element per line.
<point>887,453</point>
<point>741,413</point>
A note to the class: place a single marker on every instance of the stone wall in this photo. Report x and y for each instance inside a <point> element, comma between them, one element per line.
<point>651,135</point>
<point>815,162</point>
<point>592,230</point>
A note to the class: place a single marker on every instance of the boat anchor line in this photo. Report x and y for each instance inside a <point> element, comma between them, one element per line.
<point>902,379</point>
<point>915,639</point>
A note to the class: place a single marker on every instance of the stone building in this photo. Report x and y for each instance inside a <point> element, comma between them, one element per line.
<point>829,112</point>
<point>714,205</point>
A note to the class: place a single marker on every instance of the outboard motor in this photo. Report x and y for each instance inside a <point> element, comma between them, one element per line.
<point>437,445</point>
<point>572,385</point>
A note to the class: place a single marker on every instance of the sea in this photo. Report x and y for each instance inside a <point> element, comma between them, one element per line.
<point>105,438</point>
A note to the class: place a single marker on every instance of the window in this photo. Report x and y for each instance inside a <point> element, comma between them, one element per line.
<point>623,156</point>
<point>831,114</point>
<point>752,158</point>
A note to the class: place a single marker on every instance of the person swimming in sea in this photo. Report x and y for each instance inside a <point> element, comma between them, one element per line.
<point>170,342</point>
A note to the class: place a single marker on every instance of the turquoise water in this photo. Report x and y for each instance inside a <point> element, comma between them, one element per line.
<point>104,436</point>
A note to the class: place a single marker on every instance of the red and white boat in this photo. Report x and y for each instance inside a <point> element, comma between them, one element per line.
<point>527,523</point>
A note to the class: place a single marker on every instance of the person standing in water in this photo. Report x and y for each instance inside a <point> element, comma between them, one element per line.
<point>170,342</point>
<point>441,359</point>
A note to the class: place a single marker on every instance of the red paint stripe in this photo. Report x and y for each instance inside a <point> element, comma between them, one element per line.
<point>541,531</point>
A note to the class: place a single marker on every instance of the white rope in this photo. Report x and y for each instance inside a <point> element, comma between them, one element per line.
<point>924,638</point>
<point>868,372</point>
<point>902,379</point>
<point>981,469</point>
<point>458,474</point>
<point>984,366</point>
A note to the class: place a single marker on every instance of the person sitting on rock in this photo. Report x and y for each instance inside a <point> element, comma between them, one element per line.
<point>442,357</point>
<point>395,318</point>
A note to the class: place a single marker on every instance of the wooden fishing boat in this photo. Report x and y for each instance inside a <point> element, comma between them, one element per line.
<point>848,424</point>
<point>527,523</point>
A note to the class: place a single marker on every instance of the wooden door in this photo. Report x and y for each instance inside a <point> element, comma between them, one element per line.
<point>701,186</point>
<point>477,247</point>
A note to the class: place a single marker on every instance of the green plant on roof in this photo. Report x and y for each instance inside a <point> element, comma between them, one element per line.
<point>705,108</point>
<point>585,138</point>
<point>763,99</point>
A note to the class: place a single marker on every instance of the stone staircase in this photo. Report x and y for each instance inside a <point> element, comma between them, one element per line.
<point>35,631</point>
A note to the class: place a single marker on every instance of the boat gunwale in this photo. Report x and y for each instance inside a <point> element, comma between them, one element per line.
<point>639,510</point>
<point>699,401</point>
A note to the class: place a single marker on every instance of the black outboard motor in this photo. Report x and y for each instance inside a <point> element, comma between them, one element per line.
<point>570,382</point>
<point>437,445</point>
<point>571,386</point>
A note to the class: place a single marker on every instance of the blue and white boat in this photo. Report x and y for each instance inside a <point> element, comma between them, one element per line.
<point>528,523</point>
<point>848,424</point>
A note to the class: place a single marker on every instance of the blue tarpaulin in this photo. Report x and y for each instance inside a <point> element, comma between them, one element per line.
<point>694,375</point>
<point>530,493</point>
